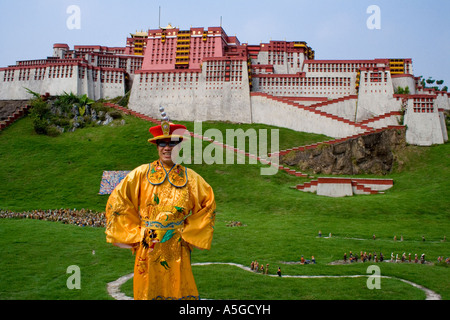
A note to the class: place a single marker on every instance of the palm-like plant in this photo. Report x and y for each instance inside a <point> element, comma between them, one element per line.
<point>84,101</point>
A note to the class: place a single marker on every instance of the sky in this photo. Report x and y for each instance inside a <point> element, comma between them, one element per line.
<point>335,29</point>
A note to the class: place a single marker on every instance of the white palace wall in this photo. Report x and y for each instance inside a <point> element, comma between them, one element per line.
<point>283,115</point>
<point>282,62</point>
<point>443,100</point>
<point>345,108</point>
<point>96,83</point>
<point>195,96</point>
<point>403,81</point>
<point>14,81</point>
<point>312,85</point>
<point>443,125</point>
<point>425,124</point>
<point>376,95</point>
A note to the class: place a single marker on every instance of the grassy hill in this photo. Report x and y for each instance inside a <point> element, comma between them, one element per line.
<point>280,223</point>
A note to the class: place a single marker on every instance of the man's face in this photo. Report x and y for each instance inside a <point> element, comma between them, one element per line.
<point>165,148</point>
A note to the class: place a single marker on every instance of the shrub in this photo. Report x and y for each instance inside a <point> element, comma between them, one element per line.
<point>40,125</point>
<point>41,115</point>
<point>62,122</point>
<point>53,131</point>
<point>50,117</point>
<point>115,114</point>
<point>98,106</point>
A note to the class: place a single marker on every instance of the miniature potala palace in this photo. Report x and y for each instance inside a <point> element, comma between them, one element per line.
<point>204,74</point>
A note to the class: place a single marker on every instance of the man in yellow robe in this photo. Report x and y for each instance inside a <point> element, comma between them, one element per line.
<point>161,211</point>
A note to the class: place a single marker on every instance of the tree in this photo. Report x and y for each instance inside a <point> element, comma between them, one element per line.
<point>35,94</point>
<point>406,91</point>
<point>430,81</point>
<point>401,90</point>
<point>40,115</point>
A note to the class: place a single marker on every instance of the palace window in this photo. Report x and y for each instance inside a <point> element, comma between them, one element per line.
<point>423,105</point>
<point>375,77</point>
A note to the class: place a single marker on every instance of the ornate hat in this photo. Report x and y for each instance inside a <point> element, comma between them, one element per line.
<point>167,129</point>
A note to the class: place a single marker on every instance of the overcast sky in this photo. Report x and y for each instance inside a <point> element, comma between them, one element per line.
<point>335,29</point>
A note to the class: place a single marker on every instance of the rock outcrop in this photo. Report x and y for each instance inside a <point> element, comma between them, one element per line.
<point>372,153</point>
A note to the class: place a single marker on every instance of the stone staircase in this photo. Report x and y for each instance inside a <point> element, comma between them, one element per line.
<point>131,112</point>
<point>345,186</point>
<point>11,111</point>
<point>313,108</point>
<point>333,101</point>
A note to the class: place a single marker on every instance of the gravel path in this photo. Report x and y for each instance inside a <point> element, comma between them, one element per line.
<point>114,287</point>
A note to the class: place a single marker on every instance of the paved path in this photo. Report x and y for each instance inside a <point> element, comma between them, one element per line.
<point>114,287</point>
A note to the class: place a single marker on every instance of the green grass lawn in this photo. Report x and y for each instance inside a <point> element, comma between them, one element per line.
<point>281,224</point>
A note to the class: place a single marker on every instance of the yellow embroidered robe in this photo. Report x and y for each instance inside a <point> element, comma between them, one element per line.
<point>162,213</point>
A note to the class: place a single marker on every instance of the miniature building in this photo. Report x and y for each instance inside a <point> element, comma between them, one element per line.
<point>204,74</point>
<point>96,71</point>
